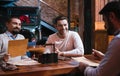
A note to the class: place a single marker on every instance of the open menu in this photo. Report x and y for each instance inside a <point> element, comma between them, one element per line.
<point>86,60</point>
<point>23,62</point>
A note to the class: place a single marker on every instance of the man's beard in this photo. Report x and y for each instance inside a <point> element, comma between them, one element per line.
<point>110,30</point>
<point>63,33</point>
<point>15,31</point>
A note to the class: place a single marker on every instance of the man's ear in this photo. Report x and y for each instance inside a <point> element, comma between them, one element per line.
<point>112,17</point>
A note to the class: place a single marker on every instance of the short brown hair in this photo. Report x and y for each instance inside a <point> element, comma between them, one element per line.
<point>61,17</point>
<point>10,18</point>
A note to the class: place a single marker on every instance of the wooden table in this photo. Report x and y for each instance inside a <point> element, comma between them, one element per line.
<point>62,67</point>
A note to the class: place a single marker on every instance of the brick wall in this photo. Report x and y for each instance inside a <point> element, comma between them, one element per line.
<point>49,8</point>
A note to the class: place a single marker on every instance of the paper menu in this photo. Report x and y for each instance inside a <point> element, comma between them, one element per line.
<point>86,60</point>
<point>17,47</point>
<point>24,62</point>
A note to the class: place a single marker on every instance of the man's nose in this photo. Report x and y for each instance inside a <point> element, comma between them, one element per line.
<point>63,27</point>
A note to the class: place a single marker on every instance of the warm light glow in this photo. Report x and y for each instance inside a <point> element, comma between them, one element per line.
<point>110,37</point>
<point>99,26</point>
<point>44,2</point>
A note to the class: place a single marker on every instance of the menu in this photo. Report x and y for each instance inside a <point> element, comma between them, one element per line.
<point>17,47</point>
<point>86,60</point>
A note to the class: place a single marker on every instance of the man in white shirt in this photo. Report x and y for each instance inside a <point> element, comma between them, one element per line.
<point>67,43</point>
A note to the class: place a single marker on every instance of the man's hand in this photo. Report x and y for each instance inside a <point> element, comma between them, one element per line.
<point>97,54</point>
<point>82,66</point>
<point>6,57</point>
<point>59,52</point>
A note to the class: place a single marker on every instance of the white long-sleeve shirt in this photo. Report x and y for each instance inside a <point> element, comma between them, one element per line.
<point>110,65</point>
<point>72,44</point>
<point>4,38</point>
